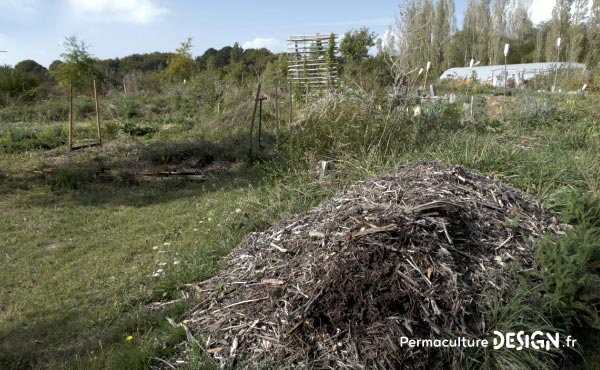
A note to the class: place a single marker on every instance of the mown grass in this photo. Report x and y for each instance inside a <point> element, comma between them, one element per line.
<point>80,257</point>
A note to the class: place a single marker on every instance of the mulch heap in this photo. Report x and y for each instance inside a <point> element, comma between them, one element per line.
<point>404,255</point>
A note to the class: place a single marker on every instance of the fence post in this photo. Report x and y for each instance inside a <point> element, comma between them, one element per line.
<point>277,112</point>
<point>97,114</point>
<point>70,115</point>
<point>252,122</point>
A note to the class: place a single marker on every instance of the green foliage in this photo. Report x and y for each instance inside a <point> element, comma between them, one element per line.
<point>33,68</point>
<point>356,43</point>
<point>16,84</point>
<point>78,66</point>
<point>181,66</point>
<point>512,311</point>
<point>569,267</point>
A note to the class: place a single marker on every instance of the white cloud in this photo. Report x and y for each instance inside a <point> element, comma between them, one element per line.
<point>20,6</point>
<point>130,11</point>
<point>270,43</point>
<point>541,10</point>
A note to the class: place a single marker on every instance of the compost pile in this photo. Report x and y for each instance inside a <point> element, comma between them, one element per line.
<point>404,255</point>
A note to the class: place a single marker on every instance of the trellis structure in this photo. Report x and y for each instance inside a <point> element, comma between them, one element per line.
<point>312,62</point>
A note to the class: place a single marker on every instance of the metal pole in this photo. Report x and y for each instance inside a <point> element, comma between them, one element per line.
<point>506,49</point>
<point>505,75</point>
<point>556,68</point>
<point>426,74</point>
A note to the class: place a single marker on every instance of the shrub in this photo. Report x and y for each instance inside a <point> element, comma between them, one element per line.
<point>569,267</point>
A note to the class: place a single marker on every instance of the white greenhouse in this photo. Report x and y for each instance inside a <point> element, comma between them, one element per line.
<point>518,73</point>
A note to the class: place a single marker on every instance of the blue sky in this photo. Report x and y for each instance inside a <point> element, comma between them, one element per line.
<point>34,29</point>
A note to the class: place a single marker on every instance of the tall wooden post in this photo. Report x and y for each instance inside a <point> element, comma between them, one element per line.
<point>97,114</point>
<point>70,115</point>
<point>291,105</point>
<point>252,122</point>
<point>277,112</point>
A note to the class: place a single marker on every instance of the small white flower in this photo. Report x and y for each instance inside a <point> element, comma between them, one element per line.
<point>209,219</point>
<point>161,264</point>
<point>176,262</point>
<point>160,271</point>
<point>167,243</point>
<point>237,210</point>
<point>195,229</point>
<point>155,247</point>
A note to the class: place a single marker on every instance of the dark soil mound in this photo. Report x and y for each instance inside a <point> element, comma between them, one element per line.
<point>405,255</point>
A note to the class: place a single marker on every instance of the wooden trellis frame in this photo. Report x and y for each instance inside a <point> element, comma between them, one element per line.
<point>311,60</point>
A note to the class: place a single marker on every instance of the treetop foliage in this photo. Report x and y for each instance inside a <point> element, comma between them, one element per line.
<point>356,43</point>
<point>78,67</point>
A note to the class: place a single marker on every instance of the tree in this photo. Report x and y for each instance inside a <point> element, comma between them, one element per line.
<point>237,52</point>
<point>442,34</point>
<point>78,66</point>
<point>519,24</point>
<point>498,31</point>
<point>577,34</point>
<point>559,27</point>
<point>33,68</point>
<point>181,66</point>
<point>356,43</point>
<point>593,57</point>
<point>469,30</point>
<point>16,84</point>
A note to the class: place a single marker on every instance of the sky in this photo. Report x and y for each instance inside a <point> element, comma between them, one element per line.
<point>35,29</point>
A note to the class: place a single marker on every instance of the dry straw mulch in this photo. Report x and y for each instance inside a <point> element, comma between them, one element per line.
<point>406,254</point>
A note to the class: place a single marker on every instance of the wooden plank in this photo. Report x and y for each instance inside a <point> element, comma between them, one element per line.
<point>304,38</point>
<point>85,146</point>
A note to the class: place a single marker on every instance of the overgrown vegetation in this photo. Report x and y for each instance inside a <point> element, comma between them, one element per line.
<point>78,218</point>
<point>96,252</point>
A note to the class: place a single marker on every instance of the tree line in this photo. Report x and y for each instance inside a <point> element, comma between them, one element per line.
<point>77,66</point>
<point>426,30</point>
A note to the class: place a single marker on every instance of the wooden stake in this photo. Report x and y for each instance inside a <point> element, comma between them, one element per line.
<point>291,105</point>
<point>254,116</point>
<point>97,114</point>
<point>70,116</point>
<point>277,112</point>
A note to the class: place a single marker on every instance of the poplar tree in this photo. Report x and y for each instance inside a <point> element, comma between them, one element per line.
<point>559,27</point>
<point>593,57</point>
<point>470,31</point>
<point>577,34</point>
<point>497,32</point>
<point>441,34</point>
<point>484,29</point>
